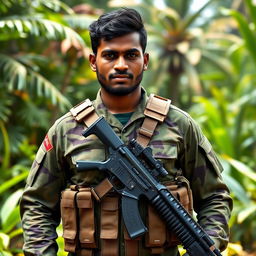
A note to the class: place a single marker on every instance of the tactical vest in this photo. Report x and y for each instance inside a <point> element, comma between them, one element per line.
<point>78,203</point>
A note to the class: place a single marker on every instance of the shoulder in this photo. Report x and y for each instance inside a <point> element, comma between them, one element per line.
<point>183,121</point>
<point>63,124</point>
<point>179,116</point>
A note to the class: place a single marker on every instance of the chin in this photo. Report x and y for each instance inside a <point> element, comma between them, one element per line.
<point>119,88</point>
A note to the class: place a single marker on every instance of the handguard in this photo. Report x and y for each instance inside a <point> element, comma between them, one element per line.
<point>137,171</point>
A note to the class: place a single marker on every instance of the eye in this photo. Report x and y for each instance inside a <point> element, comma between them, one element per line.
<point>132,55</point>
<point>109,56</point>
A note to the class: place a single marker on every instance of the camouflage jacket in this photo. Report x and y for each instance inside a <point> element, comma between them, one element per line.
<point>178,143</point>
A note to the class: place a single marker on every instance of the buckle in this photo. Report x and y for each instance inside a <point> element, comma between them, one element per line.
<point>81,110</point>
<point>80,107</point>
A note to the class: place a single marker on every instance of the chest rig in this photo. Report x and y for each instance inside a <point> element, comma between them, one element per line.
<point>78,203</point>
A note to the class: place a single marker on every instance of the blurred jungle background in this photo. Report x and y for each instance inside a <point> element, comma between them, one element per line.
<point>203,57</point>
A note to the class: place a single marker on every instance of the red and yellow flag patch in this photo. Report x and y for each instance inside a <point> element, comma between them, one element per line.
<point>47,143</point>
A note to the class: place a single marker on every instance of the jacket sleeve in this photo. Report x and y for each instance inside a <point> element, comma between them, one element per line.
<point>212,201</point>
<point>39,206</point>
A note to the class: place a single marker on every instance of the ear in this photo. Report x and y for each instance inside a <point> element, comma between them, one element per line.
<point>92,59</point>
<point>146,61</point>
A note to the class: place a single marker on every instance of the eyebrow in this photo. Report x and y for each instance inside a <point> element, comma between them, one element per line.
<point>108,51</point>
<point>133,50</point>
<point>114,51</point>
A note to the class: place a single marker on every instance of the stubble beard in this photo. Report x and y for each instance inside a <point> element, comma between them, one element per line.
<point>119,91</point>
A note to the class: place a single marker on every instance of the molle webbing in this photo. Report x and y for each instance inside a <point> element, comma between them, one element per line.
<point>156,111</point>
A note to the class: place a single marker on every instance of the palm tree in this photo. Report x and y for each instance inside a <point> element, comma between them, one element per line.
<point>26,30</point>
<point>31,35</point>
<point>21,21</point>
<point>178,43</point>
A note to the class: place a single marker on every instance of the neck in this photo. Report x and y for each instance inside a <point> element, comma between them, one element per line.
<point>121,104</point>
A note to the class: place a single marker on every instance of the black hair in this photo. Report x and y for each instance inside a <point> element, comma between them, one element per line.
<point>117,23</point>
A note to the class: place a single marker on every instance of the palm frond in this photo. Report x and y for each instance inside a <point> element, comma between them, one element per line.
<point>5,145</point>
<point>53,5</point>
<point>5,105</point>
<point>245,29</point>
<point>188,21</point>
<point>17,76</point>
<point>5,5</point>
<point>39,27</point>
<point>81,21</point>
<point>33,115</point>
<point>193,77</point>
<point>56,6</point>
<point>221,63</point>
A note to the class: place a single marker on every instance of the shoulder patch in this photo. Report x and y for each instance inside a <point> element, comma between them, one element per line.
<point>47,143</point>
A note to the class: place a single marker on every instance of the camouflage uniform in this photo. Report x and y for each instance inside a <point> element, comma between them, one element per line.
<point>178,143</point>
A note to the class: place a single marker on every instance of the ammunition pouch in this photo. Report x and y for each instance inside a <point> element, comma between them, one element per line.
<point>158,238</point>
<point>77,213</point>
<point>79,221</point>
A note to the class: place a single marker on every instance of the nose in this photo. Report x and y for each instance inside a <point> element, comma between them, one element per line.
<point>121,64</point>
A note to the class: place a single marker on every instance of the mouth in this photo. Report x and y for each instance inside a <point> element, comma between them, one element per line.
<point>121,76</point>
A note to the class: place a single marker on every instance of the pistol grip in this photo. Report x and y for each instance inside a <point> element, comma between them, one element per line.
<point>131,216</point>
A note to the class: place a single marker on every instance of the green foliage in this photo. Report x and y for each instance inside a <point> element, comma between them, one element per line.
<point>34,75</point>
<point>9,211</point>
<point>227,116</point>
<point>19,77</point>
<point>181,42</point>
<point>206,64</point>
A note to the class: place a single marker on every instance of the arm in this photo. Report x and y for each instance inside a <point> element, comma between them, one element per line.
<point>39,204</point>
<point>212,201</point>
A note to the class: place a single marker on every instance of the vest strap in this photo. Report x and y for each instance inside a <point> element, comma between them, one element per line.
<point>156,111</point>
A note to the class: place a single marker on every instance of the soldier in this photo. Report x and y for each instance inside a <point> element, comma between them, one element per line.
<point>119,59</point>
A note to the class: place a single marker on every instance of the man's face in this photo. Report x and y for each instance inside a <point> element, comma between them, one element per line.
<point>119,64</point>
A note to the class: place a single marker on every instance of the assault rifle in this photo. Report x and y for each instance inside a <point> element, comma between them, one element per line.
<point>137,171</point>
